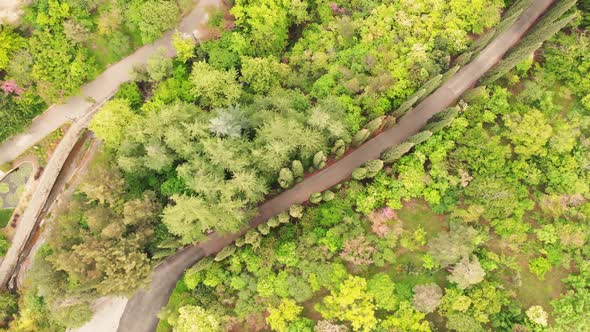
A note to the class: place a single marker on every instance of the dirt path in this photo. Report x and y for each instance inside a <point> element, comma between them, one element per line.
<point>141,312</point>
<point>99,89</point>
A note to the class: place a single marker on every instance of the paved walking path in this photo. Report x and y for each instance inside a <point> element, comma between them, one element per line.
<point>141,312</point>
<point>99,89</point>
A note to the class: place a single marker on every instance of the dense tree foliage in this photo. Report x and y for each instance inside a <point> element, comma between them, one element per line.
<point>61,44</point>
<point>456,222</point>
<point>506,184</point>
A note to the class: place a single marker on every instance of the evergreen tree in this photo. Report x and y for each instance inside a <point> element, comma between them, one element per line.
<point>339,149</point>
<point>286,178</point>
<point>315,198</point>
<point>394,153</point>
<point>373,167</point>
<point>319,160</point>
<point>328,195</point>
<point>431,85</point>
<point>297,169</point>
<point>442,119</point>
<point>449,73</point>
<point>406,105</point>
<point>419,137</point>
<point>531,42</point>
<point>360,137</point>
<point>481,42</point>
<point>359,173</point>
<point>464,58</point>
<point>374,124</point>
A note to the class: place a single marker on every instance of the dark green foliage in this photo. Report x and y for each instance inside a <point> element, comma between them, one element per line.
<point>407,105</point>
<point>4,245</point>
<point>394,153</point>
<point>420,137</point>
<point>442,119</point>
<point>431,85</point>
<point>17,112</point>
<point>464,58</point>
<point>130,92</point>
<point>481,42</point>
<point>8,306</point>
<point>547,26</point>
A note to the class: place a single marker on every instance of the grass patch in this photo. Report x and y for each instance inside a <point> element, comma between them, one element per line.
<point>533,291</point>
<point>417,213</point>
<point>5,215</point>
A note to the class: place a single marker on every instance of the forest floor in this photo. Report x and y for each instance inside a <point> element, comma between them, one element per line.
<point>100,89</point>
<point>142,310</point>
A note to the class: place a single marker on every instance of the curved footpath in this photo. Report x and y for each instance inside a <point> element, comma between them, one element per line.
<point>99,89</point>
<point>141,311</point>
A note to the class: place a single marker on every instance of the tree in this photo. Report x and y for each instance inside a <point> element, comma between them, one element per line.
<point>103,183</point>
<point>297,169</point>
<point>394,153</point>
<point>358,251</point>
<point>115,267</point>
<point>263,74</point>
<point>286,178</point>
<point>382,289</point>
<point>537,315</point>
<point>449,248</point>
<point>427,297</point>
<point>266,23</point>
<point>184,46</point>
<point>151,18</point>
<point>463,323</point>
<point>10,42</point>
<point>229,122</point>
<point>373,167</point>
<point>8,306</point>
<point>442,119</point>
<point>420,137</point>
<point>359,173</point>
<point>547,26</point>
<point>194,318</point>
<point>159,67</point>
<point>360,137</point>
<point>467,272</point>
<point>528,133</point>
<point>111,122</point>
<point>213,87</point>
<point>406,319</point>
<point>192,217</point>
<point>280,317</point>
<point>328,326</point>
<point>539,266</point>
<point>350,302</point>
<point>60,67</point>
<point>319,160</point>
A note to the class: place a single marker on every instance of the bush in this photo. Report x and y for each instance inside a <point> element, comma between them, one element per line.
<point>359,173</point>
<point>315,198</point>
<point>4,245</point>
<point>394,153</point>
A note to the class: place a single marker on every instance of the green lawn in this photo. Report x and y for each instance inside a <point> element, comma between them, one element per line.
<point>417,213</point>
<point>5,215</point>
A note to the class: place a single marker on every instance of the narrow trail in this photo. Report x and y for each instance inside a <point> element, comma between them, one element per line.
<point>141,311</point>
<point>99,89</point>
